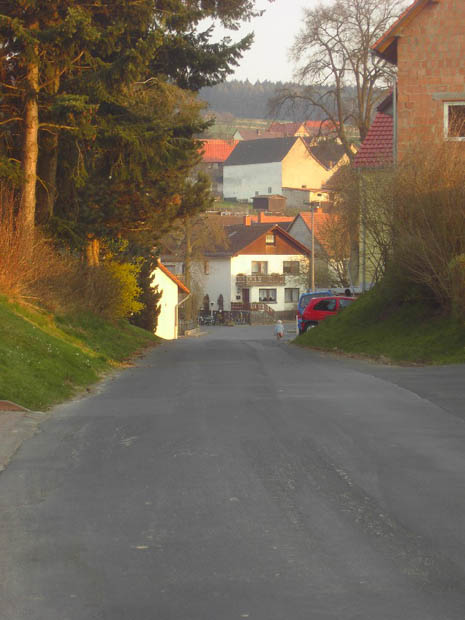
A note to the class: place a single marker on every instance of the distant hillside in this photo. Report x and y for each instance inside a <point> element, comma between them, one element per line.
<point>246,100</point>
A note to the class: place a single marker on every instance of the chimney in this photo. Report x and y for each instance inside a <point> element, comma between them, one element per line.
<point>261,217</point>
<point>247,220</point>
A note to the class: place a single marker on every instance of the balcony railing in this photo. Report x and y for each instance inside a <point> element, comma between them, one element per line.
<point>260,279</point>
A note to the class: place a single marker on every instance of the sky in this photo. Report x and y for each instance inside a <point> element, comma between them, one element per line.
<point>274,35</point>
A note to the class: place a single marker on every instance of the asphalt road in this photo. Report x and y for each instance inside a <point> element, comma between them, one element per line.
<point>231,476</point>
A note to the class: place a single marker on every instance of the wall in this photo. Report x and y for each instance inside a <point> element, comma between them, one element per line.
<point>431,60</point>
<point>242,264</point>
<point>217,282</point>
<point>300,168</point>
<point>242,182</point>
<point>166,327</point>
<point>299,230</point>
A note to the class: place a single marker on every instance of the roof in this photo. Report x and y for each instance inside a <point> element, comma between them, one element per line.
<point>288,129</point>
<point>170,275</point>
<point>377,149</point>
<point>320,219</point>
<point>217,150</point>
<point>260,151</point>
<point>241,236</point>
<point>316,127</point>
<point>386,46</point>
<point>327,153</point>
<point>256,134</point>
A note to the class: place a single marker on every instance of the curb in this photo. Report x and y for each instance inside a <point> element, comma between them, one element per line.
<point>16,425</point>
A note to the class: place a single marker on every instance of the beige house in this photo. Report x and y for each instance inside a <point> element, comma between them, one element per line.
<point>174,293</point>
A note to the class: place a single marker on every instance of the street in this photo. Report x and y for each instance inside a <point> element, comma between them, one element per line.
<point>231,476</point>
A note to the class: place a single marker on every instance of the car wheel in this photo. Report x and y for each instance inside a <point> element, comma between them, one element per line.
<point>309,326</point>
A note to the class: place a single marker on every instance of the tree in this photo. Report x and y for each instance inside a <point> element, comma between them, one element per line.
<point>333,56</point>
<point>69,58</point>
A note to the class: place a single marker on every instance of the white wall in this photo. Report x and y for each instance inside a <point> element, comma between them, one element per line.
<point>217,281</point>
<point>167,327</point>
<point>243,182</point>
<point>243,264</point>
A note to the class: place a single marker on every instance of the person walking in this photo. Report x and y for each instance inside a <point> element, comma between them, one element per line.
<point>279,329</point>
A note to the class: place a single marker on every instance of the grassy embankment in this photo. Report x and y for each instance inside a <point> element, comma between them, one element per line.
<point>45,359</point>
<point>409,333</point>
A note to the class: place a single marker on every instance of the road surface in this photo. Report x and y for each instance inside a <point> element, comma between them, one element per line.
<point>231,476</point>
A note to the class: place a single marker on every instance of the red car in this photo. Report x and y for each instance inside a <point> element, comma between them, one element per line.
<point>320,308</point>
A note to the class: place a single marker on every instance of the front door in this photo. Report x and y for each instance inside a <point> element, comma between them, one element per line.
<point>246,298</point>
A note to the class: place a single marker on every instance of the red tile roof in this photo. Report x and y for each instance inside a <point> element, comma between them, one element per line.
<point>320,220</point>
<point>170,275</point>
<point>377,148</point>
<point>217,151</point>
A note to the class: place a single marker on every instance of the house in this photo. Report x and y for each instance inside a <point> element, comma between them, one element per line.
<point>174,293</point>
<point>301,229</point>
<point>259,267</point>
<point>427,45</point>
<point>259,167</point>
<point>285,130</point>
<point>263,264</point>
<point>214,154</point>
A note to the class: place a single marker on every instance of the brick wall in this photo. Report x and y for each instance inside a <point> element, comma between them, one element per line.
<point>431,60</point>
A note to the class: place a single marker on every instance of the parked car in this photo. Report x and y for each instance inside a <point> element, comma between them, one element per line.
<point>320,308</point>
<point>304,300</point>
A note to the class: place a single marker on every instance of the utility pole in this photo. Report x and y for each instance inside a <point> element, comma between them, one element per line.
<point>313,205</point>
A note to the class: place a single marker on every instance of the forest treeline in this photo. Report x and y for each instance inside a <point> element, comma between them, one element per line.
<point>244,99</point>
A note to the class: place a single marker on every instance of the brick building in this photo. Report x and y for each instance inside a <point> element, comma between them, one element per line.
<point>427,44</point>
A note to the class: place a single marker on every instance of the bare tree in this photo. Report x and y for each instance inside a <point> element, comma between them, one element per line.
<point>335,70</point>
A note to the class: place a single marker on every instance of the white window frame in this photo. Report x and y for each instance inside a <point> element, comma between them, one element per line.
<point>263,265</point>
<point>269,290</point>
<point>270,239</point>
<point>291,301</point>
<point>447,105</point>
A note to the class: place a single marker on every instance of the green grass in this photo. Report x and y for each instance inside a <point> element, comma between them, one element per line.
<point>45,360</point>
<point>410,333</point>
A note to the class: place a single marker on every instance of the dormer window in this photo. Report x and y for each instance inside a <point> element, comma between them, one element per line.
<point>270,239</point>
<point>454,120</point>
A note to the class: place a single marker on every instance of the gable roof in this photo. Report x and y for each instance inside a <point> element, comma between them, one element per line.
<point>386,46</point>
<point>327,153</point>
<point>260,151</point>
<point>217,150</point>
<point>240,237</point>
<point>170,275</point>
<point>376,150</point>
<point>320,219</point>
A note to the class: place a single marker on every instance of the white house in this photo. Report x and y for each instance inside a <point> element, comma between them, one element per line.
<point>260,167</point>
<point>260,268</point>
<point>174,293</point>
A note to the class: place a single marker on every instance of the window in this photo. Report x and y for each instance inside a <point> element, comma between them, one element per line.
<point>454,120</point>
<point>267,295</point>
<point>292,267</point>
<point>206,267</point>
<point>328,305</point>
<point>270,190</point>
<point>291,295</point>
<point>260,267</point>
<point>343,303</point>
<point>270,239</point>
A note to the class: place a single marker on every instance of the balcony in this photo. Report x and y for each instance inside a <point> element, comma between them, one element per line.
<point>260,279</point>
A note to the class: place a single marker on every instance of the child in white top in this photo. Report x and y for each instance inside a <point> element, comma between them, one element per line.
<point>279,329</point>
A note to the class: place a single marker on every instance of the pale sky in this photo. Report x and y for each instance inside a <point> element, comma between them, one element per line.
<point>274,35</point>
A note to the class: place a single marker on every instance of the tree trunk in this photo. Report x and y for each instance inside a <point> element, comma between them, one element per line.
<point>93,252</point>
<point>188,309</point>
<point>30,152</point>
<point>48,162</point>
